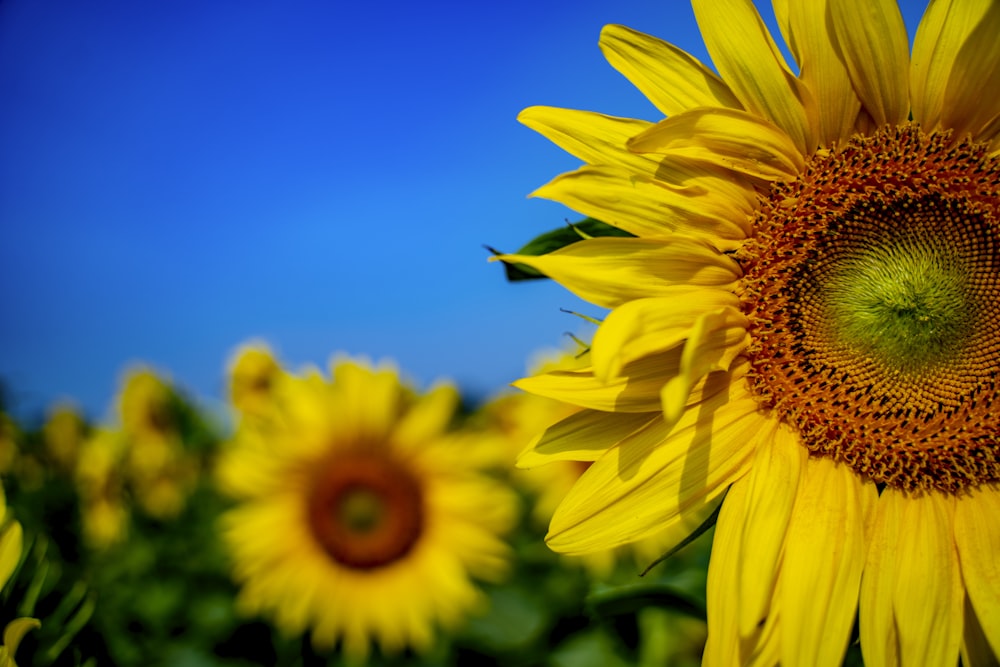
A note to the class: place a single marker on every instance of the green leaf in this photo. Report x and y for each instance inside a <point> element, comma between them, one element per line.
<point>553,240</point>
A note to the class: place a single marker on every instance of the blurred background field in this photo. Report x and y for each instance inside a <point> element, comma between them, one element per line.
<point>123,561</point>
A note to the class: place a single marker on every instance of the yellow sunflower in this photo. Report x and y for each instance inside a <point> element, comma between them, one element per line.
<point>160,471</point>
<point>63,433</point>
<point>253,373</point>
<point>100,484</point>
<point>359,516</point>
<point>806,316</point>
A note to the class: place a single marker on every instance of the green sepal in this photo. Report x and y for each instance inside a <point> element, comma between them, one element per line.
<point>695,534</point>
<point>553,240</point>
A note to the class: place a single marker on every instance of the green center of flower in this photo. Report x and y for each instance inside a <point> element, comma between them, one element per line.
<point>365,509</point>
<point>360,510</point>
<point>872,289</point>
<point>905,306</point>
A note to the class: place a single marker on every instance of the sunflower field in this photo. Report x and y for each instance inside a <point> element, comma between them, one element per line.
<point>780,445</point>
<point>335,521</point>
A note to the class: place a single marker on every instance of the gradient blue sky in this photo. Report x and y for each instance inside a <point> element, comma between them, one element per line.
<point>177,178</point>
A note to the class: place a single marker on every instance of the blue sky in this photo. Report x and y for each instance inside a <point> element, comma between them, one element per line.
<point>178,178</point>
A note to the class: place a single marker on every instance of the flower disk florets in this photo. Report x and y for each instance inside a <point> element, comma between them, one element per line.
<point>872,286</point>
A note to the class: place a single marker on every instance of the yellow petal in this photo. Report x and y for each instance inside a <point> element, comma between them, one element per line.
<point>955,58</point>
<point>11,543</point>
<point>750,62</point>
<point>945,26</point>
<point>645,207</point>
<point>583,436</point>
<point>370,399</point>
<point>637,389</point>
<point>656,324</point>
<point>772,483</point>
<point>975,647</point>
<point>725,645</point>
<point>728,138</point>
<point>673,80</point>
<point>592,137</point>
<point>977,69</point>
<point>427,417</point>
<point>977,537</point>
<point>823,561</point>
<point>609,271</point>
<point>911,590</point>
<point>657,479</point>
<point>15,632</point>
<point>714,341</point>
<point>806,26</point>
<point>875,48</point>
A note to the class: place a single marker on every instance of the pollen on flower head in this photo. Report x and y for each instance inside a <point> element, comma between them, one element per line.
<point>874,307</point>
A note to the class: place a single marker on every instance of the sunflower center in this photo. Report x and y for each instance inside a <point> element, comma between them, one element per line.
<point>905,304</point>
<point>872,287</point>
<point>365,510</point>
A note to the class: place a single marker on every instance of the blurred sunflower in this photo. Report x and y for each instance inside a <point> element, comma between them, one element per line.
<point>253,373</point>
<point>63,434</point>
<point>807,315</point>
<point>160,472</point>
<point>104,513</point>
<point>359,516</point>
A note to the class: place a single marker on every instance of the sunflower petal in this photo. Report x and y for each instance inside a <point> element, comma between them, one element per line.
<point>873,44</point>
<point>772,483</point>
<point>593,137</point>
<point>977,68</point>
<point>945,26</point>
<point>659,478</point>
<point>975,647</point>
<point>807,28</point>
<point>725,644</point>
<point>610,271</point>
<point>955,58</point>
<point>728,138</point>
<point>644,207</point>
<point>714,341</point>
<point>427,417</point>
<point>11,546</point>
<point>583,436</point>
<point>644,326</point>
<point>637,389</point>
<point>15,632</point>
<point>751,63</point>
<point>826,548</point>
<point>977,536</point>
<point>911,591</point>
<point>672,79</point>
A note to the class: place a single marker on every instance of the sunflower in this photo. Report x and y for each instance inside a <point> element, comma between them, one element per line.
<point>806,315</point>
<point>63,433</point>
<point>101,487</point>
<point>359,516</point>
<point>160,471</point>
<point>253,373</point>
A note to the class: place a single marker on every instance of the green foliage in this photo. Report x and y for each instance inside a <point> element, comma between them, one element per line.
<point>554,240</point>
